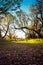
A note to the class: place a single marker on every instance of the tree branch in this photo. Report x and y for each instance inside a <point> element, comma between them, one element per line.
<point>29,29</point>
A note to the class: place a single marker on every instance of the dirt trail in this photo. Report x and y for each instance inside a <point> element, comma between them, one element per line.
<point>21,54</point>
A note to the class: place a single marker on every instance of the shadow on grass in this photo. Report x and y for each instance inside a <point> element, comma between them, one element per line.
<point>3,41</point>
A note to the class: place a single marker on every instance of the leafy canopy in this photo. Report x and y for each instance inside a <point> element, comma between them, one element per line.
<point>5,5</point>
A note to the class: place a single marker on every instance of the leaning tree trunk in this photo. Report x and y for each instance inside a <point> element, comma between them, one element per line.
<point>40,36</point>
<point>0,34</point>
<point>6,31</point>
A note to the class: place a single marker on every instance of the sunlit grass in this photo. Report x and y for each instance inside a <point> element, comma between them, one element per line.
<point>31,41</point>
<point>25,41</point>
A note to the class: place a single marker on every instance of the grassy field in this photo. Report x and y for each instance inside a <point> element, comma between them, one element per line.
<point>25,52</point>
<point>29,41</point>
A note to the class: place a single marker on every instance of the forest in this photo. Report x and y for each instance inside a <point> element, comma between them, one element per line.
<point>31,25</point>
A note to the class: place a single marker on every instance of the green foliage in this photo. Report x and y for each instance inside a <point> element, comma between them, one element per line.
<point>5,5</point>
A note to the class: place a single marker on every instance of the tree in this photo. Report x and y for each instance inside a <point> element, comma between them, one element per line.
<point>37,18</point>
<point>5,22</point>
<point>5,6</point>
<point>21,21</point>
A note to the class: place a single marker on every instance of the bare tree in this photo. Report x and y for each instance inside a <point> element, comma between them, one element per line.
<point>5,6</point>
<point>21,21</point>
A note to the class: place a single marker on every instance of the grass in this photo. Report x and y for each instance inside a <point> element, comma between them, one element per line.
<point>28,41</point>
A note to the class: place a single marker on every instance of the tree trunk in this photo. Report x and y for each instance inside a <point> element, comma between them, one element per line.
<point>6,31</point>
<point>0,34</point>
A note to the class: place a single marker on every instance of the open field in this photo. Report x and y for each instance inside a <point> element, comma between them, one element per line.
<point>13,53</point>
<point>29,41</point>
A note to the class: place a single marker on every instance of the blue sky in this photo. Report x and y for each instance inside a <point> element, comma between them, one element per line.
<point>25,4</point>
